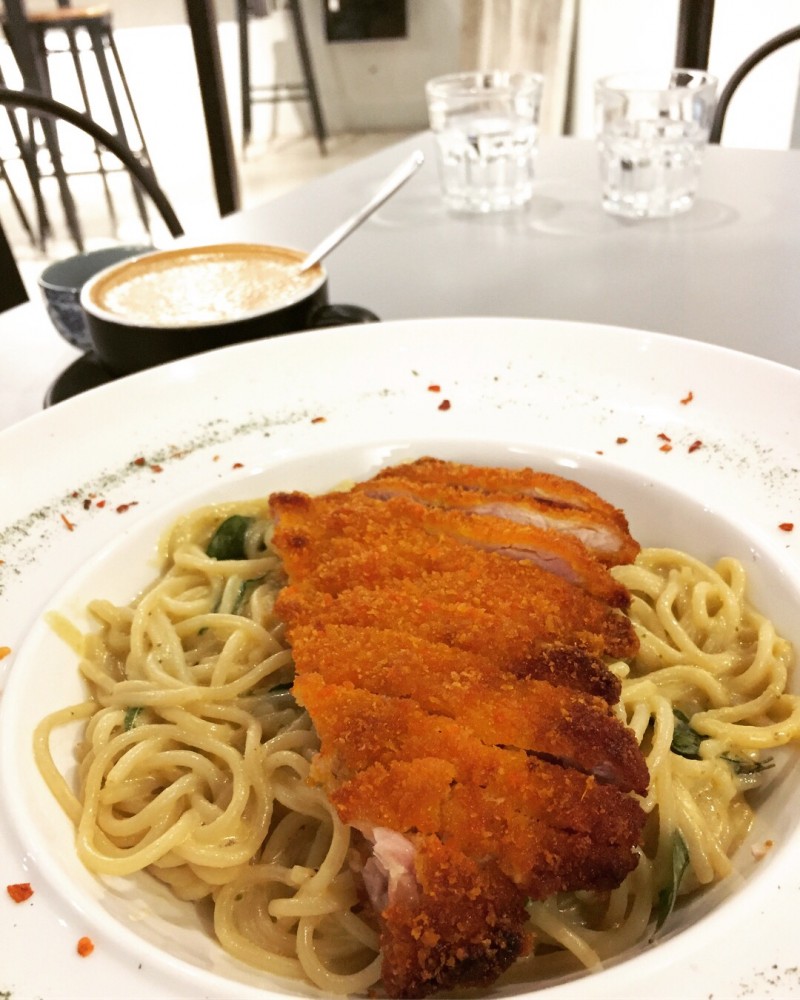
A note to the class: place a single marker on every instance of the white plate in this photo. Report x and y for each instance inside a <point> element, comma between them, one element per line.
<point>305,412</point>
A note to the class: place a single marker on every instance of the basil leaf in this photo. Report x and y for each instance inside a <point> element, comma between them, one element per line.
<point>131,715</point>
<point>667,896</point>
<point>227,542</point>
<point>685,741</point>
<point>741,766</point>
<point>245,591</point>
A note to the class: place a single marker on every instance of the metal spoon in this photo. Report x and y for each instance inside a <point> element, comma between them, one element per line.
<point>396,179</point>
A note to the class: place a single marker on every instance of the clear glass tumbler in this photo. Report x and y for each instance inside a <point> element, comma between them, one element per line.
<point>487,132</point>
<point>652,130</point>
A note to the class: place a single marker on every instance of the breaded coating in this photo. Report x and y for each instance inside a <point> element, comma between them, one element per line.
<point>558,491</point>
<point>311,530</point>
<point>549,828</point>
<point>436,942</point>
<point>451,628</point>
<point>500,709</point>
<point>599,530</point>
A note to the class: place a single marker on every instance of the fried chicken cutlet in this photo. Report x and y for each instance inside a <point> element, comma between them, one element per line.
<point>454,663</point>
<point>310,530</point>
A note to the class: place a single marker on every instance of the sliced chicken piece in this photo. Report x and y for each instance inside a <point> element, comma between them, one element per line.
<point>511,645</point>
<point>599,530</point>
<point>549,721</point>
<point>462,926</point>
<point>557,491</point>
<point>547,827</point>
<point>311,530</point>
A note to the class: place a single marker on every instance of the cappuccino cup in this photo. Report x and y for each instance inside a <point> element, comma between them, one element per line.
<point>172,303</point>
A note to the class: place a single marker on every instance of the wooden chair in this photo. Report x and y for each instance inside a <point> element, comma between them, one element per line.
<point>11,286</point>
<point>761,53</point>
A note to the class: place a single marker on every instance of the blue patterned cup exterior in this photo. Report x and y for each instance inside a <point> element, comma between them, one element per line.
<point>61,284</point>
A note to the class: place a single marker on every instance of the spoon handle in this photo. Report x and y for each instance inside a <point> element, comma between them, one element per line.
<point>393,182</point>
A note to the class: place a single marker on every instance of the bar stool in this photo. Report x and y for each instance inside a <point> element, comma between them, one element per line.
<point>80,33</point>
<point>274,93</point>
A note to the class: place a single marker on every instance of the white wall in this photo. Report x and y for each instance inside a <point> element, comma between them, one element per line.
<point>630,34</point>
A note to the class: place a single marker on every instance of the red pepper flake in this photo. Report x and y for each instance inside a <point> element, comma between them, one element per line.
<point>100,504</point>
<point>75,494</point>
<point>434,388</point>
<point>20,891</point>
<point>67,523</point>
<point>4,652</point>
<point>622,440</point>
<point>318,420</point>
<point>786,526</point>
<point>687,398</point>
<point>237,465</point>
<point>444,405</point>
<point>156,468</point>
<point>139,461</point>
<point>695,445</point>
<point>665,447</point>
<point>123,507</point>
<point>663,437</point>
<point>599,452</point>
<point>85,946</point>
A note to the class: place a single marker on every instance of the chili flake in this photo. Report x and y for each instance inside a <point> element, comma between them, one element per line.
<point>20,891</point>
<point>622,440</point>
<point>156,468</point>
<point>101,503</point>
<point>695,445</point>
<point>665,447</point>
<point>318,420</point>
<point>663,437</point>
<point>139,461</point>
<point>4,652</point>
<point>67,523</point>
<point>434,388</point>
<point>786,526</point>
<point>85,946</point>
<point>123,507</point>
<point>687,398</point>
<point>237,465</point>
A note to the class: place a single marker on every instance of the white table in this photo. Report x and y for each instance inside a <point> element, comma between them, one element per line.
<point>727,272</point>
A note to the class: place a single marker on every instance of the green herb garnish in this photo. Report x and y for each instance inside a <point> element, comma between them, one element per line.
<point>131,715</point>
<point>245,591</point>
<point>686,743</point>
<point>685,740</point>
<point>227,542</point>
<point>667,896</point>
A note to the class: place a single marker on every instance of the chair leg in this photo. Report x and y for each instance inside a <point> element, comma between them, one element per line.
<point>19,208</point>
<point>96,36</point>
<point>308,72</point>
<point>51,141</point>
<point>76,59</point>
<point>244,71</point>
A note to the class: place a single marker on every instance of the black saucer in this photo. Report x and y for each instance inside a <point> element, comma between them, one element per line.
<point>86,372</point>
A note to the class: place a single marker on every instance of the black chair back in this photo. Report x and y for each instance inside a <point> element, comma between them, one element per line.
<point>11,286</point>
<point>784,38</point>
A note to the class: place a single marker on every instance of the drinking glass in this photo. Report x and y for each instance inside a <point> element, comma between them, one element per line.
<point>487,132</point>
<point>652,129</point>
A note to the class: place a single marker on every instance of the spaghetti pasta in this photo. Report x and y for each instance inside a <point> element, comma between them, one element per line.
<point>194,758</point>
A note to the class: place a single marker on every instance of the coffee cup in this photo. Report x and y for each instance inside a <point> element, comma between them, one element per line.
<point>61,282</point>
<point>173,303</point>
